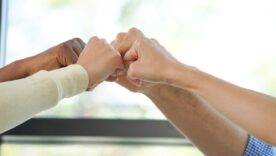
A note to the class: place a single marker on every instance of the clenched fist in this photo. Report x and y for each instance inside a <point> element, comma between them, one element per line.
<point>61,55</point>
<point>147,60</point>
<point>100,60</point>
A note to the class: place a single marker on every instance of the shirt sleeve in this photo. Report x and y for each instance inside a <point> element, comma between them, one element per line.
<point>257,147</point>
<point>22,99</point>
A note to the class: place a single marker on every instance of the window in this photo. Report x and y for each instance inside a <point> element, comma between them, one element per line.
<point>232,39</point>
<point>237,46</point>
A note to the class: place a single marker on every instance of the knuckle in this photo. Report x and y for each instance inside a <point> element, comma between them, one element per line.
<point>140,41</point>
<point>133,30</point>
<point>66,45</point>
<point>78,40</point>
<point>103,41</point>
<point>94,39</point>
<point>120,36</point>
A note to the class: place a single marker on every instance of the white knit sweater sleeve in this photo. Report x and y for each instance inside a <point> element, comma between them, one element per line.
<point>22,99</point>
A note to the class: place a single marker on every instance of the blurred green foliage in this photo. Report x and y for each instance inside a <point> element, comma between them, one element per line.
<point>59,3</point>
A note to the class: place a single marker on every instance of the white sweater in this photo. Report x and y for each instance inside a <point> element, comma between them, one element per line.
<point>22,99</point>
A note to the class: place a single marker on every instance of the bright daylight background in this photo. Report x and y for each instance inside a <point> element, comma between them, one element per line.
<point>231,39</point>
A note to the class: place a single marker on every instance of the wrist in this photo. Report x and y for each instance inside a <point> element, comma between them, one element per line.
<point>181,75</point>
<point>153,91</point>
<point>92,76</point>
<point>42,61</point>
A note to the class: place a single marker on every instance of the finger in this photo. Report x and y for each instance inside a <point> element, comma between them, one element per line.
<point>129,39</point>
<point>77,44</point>
<point>114,44</point>
<point>130,55</point>
<point>81,43</point>
<point>73,57</point>
<point>77,48</point>
<point>93,40</point>
<point>69,57</point>
<point>119,39</point>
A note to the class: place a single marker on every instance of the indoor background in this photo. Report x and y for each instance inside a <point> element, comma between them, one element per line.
<point>231,39</point>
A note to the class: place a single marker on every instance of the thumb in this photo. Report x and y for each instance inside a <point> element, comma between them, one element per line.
<point>134,71</point>
<point>133,74</point>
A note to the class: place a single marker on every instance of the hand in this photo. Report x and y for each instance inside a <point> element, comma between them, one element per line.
<point>143,87</point>
<point>146,59</point>
<point>58,56</point>
<point>100,60</point>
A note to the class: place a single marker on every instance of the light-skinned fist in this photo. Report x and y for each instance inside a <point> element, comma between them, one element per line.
<point>100,60</point>
<point>146,59</point>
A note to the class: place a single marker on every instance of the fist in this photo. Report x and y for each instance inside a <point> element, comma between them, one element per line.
<point>146,59</point>
<point>61,55</point>
<point>100,60</point>
<point>68,52</point>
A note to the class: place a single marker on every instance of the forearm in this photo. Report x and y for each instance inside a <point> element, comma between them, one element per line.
<point>28,66</point>
<point>13,71</point>
<point>251,110</point>
<point>211,132</point>
<point>22,99</point>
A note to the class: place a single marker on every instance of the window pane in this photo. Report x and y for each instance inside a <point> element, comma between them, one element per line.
<point>232,39</point>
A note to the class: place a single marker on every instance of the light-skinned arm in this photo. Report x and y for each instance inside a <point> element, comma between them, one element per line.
<point>207,129</point>
<point>210,131</point>
<point>150,62</point>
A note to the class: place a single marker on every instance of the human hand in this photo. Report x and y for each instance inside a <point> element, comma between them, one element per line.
<point>100,60</point>
<point>146,59</point>
<point>122,79</point>
<point>61,55</point>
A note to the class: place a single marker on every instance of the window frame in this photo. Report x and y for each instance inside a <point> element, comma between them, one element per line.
<point>3,28</point>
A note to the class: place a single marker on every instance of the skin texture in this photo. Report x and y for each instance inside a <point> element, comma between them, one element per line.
<point>210,131</point>
<point>58,56</point>
<point>133,47</point>
<point>100,60</point>
<point>255,112</point>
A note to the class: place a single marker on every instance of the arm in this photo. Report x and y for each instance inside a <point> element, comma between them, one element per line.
<point>22,99</point>
<point>150,62</point>
<point>253,111</point>
<point>58,56</point>
<point>211,132</point>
